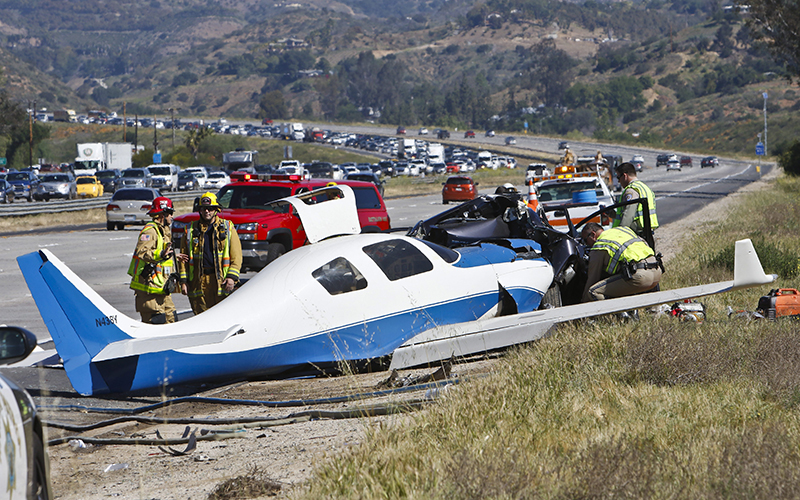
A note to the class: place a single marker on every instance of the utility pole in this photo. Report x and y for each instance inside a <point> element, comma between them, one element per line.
<point>124,121</point>
<point>172,124</point>
<point>136,133</point>
<point>30,134</point>
<point>155,136</point>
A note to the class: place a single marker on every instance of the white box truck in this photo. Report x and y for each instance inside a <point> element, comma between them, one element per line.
<point>409,149</point>
<point>293,131</point>
<point>94,156</point>
<point>435,153</point>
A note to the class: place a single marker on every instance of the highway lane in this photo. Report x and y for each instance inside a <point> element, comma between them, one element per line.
<point>679,194</point>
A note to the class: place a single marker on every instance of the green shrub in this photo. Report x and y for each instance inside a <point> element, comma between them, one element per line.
<point>789,160</point>
<point>774,258</point>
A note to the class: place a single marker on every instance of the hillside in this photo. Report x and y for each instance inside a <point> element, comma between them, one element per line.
<point>670,75</point>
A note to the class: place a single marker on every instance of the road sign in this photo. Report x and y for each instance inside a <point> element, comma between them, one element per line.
<point>156,158</point>
<point>3,161</point>
<point>760,149</point>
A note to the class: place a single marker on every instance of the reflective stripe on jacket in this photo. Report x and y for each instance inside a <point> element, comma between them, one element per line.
<point>623,246</point>
<point>163,267</point>
<point>644,191</point>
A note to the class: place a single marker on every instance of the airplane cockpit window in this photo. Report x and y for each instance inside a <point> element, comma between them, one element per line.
<point>340,276</point>
<point>398,259</point>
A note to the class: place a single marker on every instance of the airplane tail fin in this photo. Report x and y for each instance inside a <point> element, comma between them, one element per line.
<point>747,270</point>
<point>80,321</point>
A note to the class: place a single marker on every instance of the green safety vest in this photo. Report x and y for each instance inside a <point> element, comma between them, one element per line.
<point>623,246</point>
<point>644,192</point>
<point>164,267</point>
<point>195,251</point>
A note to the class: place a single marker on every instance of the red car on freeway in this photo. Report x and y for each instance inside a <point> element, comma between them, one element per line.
<point>459,188</point>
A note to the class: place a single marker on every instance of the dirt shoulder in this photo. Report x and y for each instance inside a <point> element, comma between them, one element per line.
<point>286,445</point>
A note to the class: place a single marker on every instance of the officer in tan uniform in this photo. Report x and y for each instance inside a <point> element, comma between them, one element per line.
<point>620,263</point>
<point>633,215</point>
<point>153,263</point>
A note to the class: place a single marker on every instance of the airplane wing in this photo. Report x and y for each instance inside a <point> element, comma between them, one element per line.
<point>484,335</point>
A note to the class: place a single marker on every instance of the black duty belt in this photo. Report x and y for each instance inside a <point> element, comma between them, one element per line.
<point>645,265</point>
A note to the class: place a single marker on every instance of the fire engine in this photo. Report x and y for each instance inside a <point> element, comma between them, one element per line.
<point>268,230</point>
<point>568,190</point>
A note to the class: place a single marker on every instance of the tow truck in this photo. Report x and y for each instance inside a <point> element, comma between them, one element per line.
<point>574,191</point>
<point>268,230</point>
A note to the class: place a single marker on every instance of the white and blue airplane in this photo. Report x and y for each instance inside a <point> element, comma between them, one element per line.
<point>353,297</point>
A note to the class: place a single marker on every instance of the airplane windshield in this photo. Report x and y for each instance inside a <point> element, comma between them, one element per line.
<point>398,259</point>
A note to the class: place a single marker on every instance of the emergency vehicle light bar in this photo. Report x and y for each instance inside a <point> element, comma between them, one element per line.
<point>248,177</point>
<point>530,182</point>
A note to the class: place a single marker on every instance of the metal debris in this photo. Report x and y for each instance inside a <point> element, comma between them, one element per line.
<point>394,380</point>
<point>190,446</point>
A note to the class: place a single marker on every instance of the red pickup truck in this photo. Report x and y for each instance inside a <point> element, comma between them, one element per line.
<point>266,232</point>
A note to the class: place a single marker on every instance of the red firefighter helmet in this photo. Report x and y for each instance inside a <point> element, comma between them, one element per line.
<point>161,205</point>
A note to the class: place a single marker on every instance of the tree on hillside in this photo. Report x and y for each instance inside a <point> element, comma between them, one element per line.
<point>15,132</point>
<point>723,41</point>
<point>272,105</point>
<point>778,23</point>
<point>547,71</point>
<point>11,114</point>
<point>330,94</point>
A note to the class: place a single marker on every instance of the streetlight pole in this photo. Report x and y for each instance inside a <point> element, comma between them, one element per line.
<point>765,122</point>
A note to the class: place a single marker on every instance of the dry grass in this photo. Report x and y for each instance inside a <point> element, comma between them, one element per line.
<point>254,484</point>
<point>654,409</point>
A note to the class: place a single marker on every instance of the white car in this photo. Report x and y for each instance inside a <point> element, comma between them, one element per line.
<point>129,206</point>
<point>674,164</point>
<point>423,131</point>
<point>217,180</point>
<point>201,173</point>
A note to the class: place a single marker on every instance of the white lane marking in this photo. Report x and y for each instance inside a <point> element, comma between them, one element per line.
<point>705,184</point>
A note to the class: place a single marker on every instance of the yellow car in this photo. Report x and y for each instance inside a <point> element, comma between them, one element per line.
<point>89,186</point>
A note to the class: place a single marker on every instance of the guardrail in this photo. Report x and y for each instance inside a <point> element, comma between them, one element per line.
<point>18,209</point>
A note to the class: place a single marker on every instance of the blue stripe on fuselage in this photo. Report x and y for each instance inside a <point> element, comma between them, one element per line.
<point>365,340</point>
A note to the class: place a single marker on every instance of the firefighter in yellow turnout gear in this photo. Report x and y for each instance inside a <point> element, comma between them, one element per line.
<point>152,265</point>
<point>214,257</point>
<point>620,263</point>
